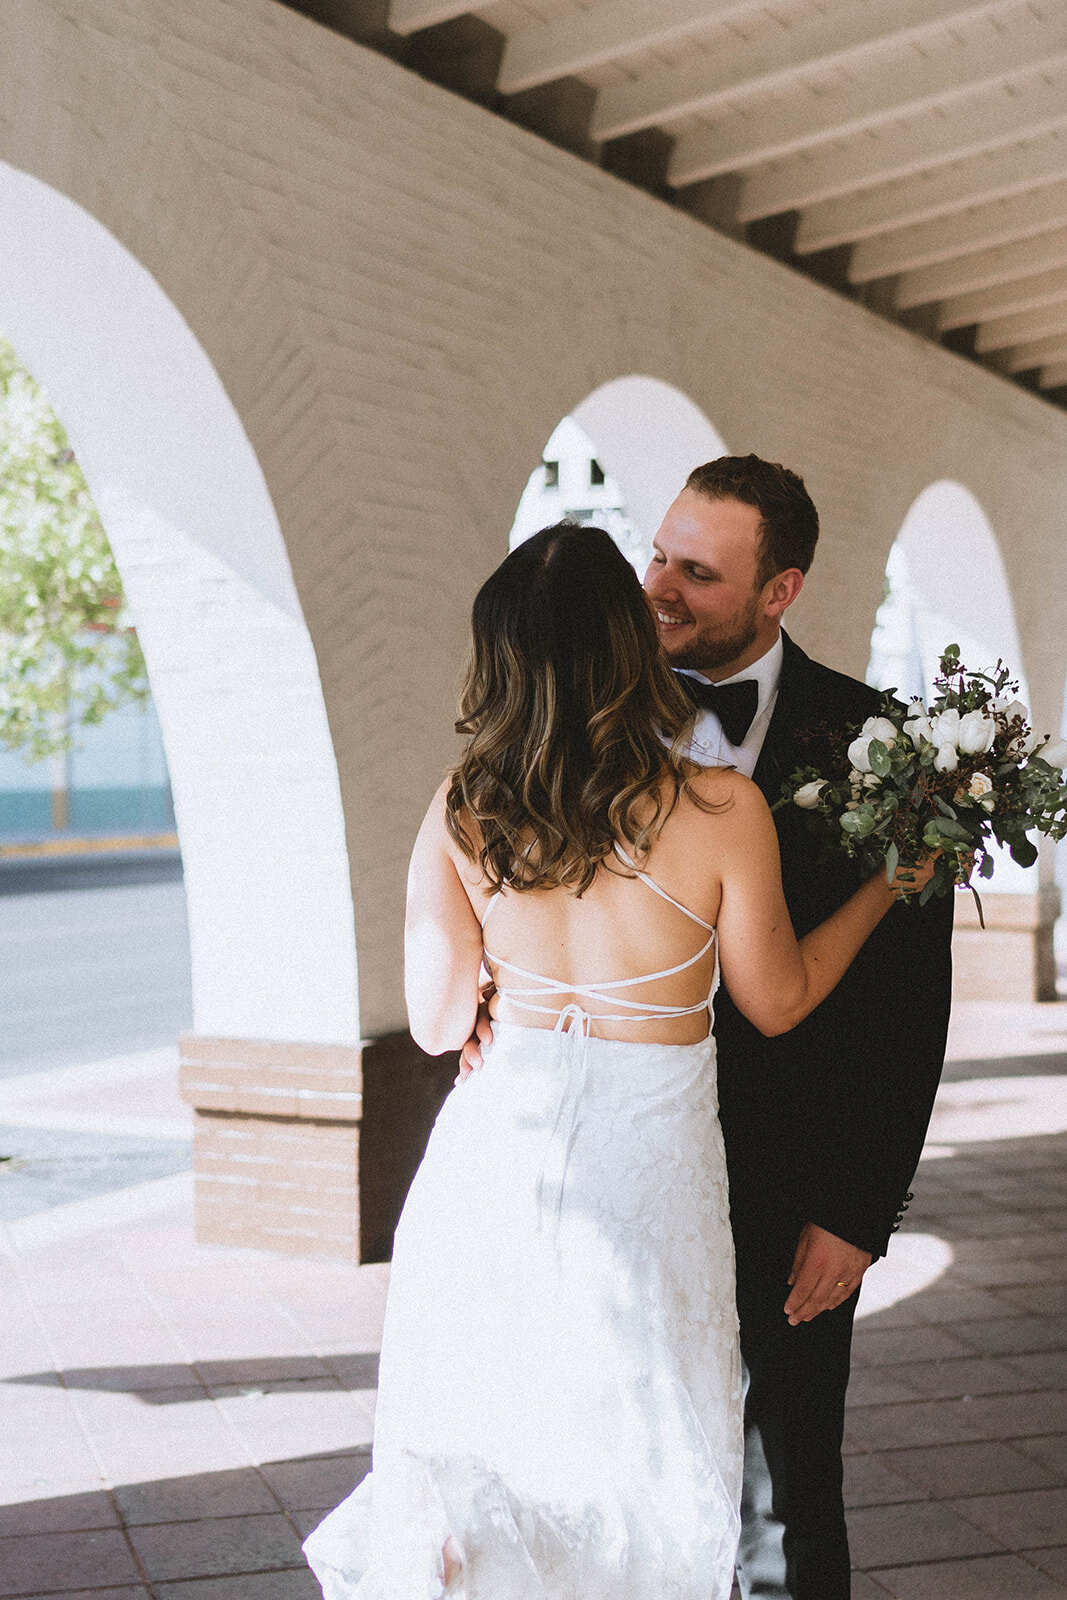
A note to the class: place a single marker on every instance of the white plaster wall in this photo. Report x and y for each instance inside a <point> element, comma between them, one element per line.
<point>233,672</point>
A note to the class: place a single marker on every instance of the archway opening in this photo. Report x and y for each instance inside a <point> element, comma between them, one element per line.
<point>618,460</point>
<point>189,517</point>
<point>945,584</point>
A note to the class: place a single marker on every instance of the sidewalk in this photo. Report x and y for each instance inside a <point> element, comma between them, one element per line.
<point>178,1416</point>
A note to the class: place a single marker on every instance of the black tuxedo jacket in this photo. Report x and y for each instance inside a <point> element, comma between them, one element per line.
<point>825,1124</point>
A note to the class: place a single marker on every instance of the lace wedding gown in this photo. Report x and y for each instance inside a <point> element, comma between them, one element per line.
<point>560,1378</point>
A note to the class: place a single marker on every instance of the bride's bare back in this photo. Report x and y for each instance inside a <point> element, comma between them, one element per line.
<point>619,930</point>
<point>721,863</point>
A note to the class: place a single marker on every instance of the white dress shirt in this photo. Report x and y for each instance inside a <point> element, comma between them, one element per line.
<point>709,746</point>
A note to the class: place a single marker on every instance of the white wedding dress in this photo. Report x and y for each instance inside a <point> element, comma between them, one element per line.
<point>560,1379</point>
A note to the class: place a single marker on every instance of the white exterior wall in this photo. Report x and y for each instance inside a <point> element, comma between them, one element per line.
<point>403,295</point>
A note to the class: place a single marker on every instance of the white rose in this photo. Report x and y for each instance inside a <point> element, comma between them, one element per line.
<point>979,785</point>
<point>1055,753</point>
<point>858,753</point>
<point>945,729</point>
<point>977,732</point>
<point>880,728</point>
<point>919,727</point>
<point>807,796</point>
<point>946,759</point>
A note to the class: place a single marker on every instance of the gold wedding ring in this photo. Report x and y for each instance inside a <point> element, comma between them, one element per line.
<point>840,1285</point>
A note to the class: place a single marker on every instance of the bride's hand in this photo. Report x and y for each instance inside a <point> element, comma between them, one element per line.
<point>909,880</point>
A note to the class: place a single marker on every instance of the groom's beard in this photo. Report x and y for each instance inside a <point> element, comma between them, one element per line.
<point>708,649</point>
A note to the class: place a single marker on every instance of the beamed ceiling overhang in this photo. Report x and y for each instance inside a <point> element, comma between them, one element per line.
<point>909,153</point>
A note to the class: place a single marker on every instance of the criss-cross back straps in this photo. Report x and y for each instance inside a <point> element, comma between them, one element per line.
<point>642,1010</point>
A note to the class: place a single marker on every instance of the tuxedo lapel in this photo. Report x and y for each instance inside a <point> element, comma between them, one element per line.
<point>778,757</point>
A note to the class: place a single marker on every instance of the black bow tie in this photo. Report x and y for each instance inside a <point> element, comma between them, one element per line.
<point>733,703</point>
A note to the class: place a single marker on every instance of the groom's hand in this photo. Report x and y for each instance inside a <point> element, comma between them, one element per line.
<point>470,1057</point>
<point>826,1270</point>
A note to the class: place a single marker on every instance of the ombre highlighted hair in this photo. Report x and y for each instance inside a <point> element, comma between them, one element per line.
<point>575,721</point>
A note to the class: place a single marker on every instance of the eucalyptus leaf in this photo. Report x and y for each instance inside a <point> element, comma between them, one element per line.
<point>892,861</point>
<point>1024,851</point>
<point>878,756</point>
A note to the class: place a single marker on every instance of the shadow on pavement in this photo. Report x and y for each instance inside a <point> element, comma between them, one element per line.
<point>176,1383</point>
<point>232,1535</point>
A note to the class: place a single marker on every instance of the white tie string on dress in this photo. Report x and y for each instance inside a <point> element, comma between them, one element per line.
<point>574,1025</point>
<point>572,1029</point>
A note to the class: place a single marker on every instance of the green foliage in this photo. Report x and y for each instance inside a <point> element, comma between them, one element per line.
<point>68,654</point>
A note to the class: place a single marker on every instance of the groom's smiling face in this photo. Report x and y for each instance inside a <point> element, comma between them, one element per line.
<point>705,586</point>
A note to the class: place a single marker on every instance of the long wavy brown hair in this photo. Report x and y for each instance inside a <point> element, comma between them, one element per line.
<point>574,720</point>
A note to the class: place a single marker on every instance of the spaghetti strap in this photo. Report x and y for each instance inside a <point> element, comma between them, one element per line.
<point>651,883</point>
<point>543,987</point>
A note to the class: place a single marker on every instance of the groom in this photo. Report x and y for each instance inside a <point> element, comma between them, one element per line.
<point>823,1125</point>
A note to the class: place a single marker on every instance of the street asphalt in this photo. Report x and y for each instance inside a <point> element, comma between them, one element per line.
<point>90,968</point>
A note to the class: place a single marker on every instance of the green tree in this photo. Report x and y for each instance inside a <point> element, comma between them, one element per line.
<point>68,653</point>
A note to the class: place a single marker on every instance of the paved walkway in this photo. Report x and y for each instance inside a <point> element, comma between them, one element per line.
<point>176,1417</point>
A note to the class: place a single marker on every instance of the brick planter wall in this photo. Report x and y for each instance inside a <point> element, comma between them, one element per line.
<point>306,1148</point>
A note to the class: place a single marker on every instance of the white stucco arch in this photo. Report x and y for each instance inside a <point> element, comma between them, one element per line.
<point>233,671</point>
<point>646,437</point>
<point>949,586</point>
<point>649,436</point>
<point>957,581</point>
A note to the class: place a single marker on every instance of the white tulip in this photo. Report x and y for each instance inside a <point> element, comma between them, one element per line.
<point>1055,753</point>
<point>945,729</point>
<point>1013,709</point>
<point>880,728</point>
<point>919,727</point>
<point>946,759</point>
<point>807,796</point>
<point>858,753</point>
<point>977,732</point>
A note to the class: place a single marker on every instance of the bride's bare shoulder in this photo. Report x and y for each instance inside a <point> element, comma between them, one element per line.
<point>722,789</point>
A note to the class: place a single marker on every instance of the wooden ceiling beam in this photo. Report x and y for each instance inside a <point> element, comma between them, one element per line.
<point>1022,294</point>
<point>1021,328</point>
<point>877,97</point>
<point>578,41</point>
<point>409,16</point>
<point>1001,221</point>
<point>920,144</point>
<point>991,175</point>
<point>766,63</point>
<point>982,270</point>
<point>1037,353</point>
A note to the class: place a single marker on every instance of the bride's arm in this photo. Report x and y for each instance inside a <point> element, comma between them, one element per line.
<point>442,942</point>
<point>773,979</point>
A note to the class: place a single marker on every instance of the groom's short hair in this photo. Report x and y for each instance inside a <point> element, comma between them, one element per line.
<point>790,522</point>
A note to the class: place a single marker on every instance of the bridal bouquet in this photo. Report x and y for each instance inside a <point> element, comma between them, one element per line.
<point>949,777</point>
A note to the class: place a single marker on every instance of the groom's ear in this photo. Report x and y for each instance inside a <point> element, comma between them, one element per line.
<point>781,591</point>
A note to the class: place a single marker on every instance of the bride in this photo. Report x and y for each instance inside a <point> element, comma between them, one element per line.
<point>559,1412</point>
